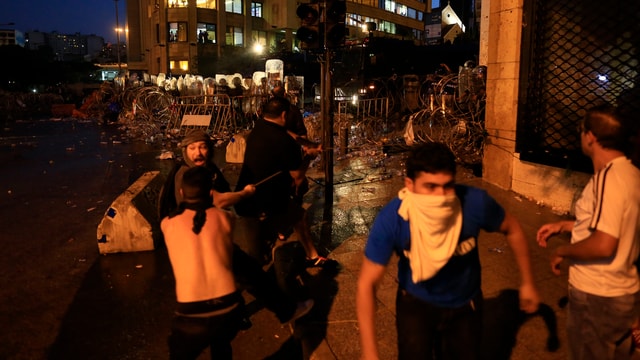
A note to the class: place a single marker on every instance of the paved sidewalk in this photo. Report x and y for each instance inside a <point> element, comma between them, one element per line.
<point>331,329</point>
<point>61,299</point>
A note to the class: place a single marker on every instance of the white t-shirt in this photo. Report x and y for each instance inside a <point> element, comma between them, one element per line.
<point>609,203</point>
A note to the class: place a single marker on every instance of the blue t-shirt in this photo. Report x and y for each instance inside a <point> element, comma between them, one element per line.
<point>459,280</point>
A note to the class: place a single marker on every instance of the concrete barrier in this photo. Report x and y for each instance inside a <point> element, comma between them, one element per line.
<point>131,222</point>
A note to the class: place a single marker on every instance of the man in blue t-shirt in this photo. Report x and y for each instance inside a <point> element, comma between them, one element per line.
<point>433,226</point>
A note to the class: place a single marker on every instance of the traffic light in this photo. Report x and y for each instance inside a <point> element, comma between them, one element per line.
<point>309,33</point>
<point>336,30</point>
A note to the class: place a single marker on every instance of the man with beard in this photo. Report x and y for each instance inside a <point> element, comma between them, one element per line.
<point>197,150</point>
<point>433,226</point>
<point>209,311</point>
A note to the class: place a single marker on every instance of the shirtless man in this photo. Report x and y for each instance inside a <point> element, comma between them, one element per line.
<point>198,238</point>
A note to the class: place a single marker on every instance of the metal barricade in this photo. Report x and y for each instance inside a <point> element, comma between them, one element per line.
<point>211,113</point>
<point>364,120</point>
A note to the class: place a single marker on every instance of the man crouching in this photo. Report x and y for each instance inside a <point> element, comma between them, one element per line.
<point>198,238</point>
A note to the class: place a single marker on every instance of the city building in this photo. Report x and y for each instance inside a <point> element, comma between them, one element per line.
<point>180,36</point>
<point>67,47</point>
<point>11,37</point>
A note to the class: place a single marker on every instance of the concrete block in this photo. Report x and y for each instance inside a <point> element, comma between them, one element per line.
<point>131,221</point>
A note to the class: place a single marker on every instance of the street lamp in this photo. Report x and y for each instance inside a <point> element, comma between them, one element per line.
<point>258,48</point>
<point>118,39</point>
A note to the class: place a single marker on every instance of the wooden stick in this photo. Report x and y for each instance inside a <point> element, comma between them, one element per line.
<point>268,178</point>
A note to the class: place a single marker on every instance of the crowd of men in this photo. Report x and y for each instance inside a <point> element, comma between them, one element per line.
<point>220,241</point>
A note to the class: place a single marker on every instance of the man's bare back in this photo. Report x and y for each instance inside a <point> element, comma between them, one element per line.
<point>201,262</point>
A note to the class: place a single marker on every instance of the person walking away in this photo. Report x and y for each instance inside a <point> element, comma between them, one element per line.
<point>209,310</point>
<point>433,226</point>
<point>604,291</point>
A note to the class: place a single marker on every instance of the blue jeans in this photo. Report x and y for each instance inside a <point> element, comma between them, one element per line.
<point>426,331</point>
<point>599,328</point>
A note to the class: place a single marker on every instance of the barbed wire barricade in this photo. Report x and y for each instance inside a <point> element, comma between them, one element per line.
<point>399,111</point>
<point>451,110</point>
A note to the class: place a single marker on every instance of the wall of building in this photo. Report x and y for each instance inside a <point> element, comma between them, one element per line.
<point>500,36</point>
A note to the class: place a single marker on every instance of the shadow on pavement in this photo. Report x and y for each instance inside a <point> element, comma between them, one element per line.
<point>121,311</point>
<point>312,329</point>
<point>502,321</point>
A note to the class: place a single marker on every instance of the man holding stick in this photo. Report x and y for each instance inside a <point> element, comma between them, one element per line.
<point>273,161</point>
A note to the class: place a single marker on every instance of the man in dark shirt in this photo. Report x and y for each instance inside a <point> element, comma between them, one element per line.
<point>294,124</point>
<point>272,161</point>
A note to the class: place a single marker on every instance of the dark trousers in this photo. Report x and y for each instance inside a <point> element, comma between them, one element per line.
<point>257,246</point>
<point>190,334</point>
<point>430,332</point>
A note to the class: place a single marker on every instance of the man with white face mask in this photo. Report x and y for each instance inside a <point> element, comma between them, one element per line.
<point>433,226</point>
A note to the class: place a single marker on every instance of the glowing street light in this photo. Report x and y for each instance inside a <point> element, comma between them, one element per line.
<point>258,48</point>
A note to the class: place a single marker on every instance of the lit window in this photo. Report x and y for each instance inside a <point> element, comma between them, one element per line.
<point>178,31</point>
<point>206,4</point>
<point>206,33</point>
<point>259,37</point>
<point>234,36</point>
<point>178,3</point>
<point>256,9</point>
<point>233,6</point>
<point>390,6</point>
<point>401,10</point>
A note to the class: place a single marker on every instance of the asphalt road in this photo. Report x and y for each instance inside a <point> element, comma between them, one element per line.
<point>57,178</point>
<point>61,299</point>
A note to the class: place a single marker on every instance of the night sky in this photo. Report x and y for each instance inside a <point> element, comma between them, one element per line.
<point>64,16</point>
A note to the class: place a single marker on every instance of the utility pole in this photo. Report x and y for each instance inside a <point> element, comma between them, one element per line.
<point>327,125</point>
<point>322,29</point>
<point>118,39</point>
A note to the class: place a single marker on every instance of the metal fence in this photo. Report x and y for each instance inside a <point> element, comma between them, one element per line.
<point>220,115</point>
<point>360,122</point>
<point>575,54</point>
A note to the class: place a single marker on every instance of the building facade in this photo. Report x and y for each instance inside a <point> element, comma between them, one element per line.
<point>11,37</point>
<point>178,36</point>
<point>66,47</point>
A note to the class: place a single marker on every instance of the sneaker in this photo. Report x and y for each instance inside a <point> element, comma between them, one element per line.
<point>302,309</point>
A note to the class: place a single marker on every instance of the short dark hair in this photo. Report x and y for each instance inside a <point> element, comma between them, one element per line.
<point>275,106</point>
<point>278,91</point>
<point>605,124</point>
<point>197,183</point>
<point>432,157</point>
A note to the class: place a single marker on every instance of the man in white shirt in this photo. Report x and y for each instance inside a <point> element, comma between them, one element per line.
<point>604,290</point>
